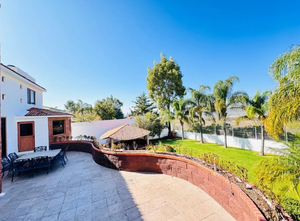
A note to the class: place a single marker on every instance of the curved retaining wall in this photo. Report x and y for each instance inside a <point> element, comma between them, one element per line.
<point>227,194</point>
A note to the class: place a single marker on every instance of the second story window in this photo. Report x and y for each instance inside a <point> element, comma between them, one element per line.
<point>30,96</point>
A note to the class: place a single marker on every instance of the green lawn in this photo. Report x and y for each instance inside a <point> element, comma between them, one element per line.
<point>243,158</point>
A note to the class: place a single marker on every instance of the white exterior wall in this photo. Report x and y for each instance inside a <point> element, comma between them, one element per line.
<point>243,143</point>
<point>11,107</point>
<point>41,132</point>
<point>97,128</point>
<point>163,133</point>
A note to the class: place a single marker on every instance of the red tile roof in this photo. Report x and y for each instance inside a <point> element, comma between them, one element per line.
<point>125,132</point>
<point>44,112</point>
<point>23,77</point>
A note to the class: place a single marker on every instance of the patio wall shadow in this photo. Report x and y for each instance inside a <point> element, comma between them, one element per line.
<point>227,194</point>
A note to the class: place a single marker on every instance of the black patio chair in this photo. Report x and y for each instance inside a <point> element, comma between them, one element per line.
<point>6,165</point>
<point>13,156</point>
<point>41,162</point>
<point>61,157</point>
<point>65,152</point>
<point>19,166</point>
<point>40,148</point>
<point>55,146</point>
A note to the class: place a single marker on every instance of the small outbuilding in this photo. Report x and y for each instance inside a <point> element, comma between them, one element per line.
<point>126,132</point>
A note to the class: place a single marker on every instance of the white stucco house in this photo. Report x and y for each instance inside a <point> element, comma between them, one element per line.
<point>24,122</point>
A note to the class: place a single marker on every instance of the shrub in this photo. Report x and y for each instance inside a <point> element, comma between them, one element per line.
<point>150,122</point>
<point>161,147</point>
<point>95,142</point>
<point>292,207</point>
<point>118,146</point>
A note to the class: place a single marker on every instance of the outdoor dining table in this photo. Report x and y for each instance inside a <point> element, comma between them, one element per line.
<point>50,154</point>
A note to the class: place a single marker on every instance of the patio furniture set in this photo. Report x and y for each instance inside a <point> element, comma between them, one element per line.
<point>40,158</point>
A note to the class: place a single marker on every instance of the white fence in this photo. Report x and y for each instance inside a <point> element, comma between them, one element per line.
<point>97,128</point>
<point>243,143</point>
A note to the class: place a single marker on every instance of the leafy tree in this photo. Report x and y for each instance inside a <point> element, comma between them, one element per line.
<point>200,104</point>
<point>164,82</point>
<point>226,99</point>
<point>109,108</point>
<point>86,117</point>
<point>257,107</point>
<point>150,122</point>
<point>284,103</point>
<point>181,112</point>
<point>142,105</point>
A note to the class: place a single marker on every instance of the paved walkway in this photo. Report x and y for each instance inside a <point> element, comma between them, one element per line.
<point>83,190</point>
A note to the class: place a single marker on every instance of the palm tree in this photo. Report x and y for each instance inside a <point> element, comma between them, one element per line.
<point>83,107</point>
<point>226,99</point>
<point>285,101</point>
<point>257,107</point>
<point>200,105</point>
<point>71,106</point>
<point>83,112</point>
<point>181,112</point>
<point>210,108</point>
<point>283,170</point>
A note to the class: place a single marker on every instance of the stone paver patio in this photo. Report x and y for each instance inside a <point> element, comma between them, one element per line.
<point>83,190</point>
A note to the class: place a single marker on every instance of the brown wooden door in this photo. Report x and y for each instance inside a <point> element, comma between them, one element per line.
<point>26,140</point>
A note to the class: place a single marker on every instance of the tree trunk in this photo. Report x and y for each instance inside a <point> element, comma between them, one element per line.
<point>225,134</point>
<point>182,132</point>
<point>201,133</point>
<point>262,150</point>
<point>169,128</point>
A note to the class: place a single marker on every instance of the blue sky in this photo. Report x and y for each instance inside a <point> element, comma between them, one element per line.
<point>91,49</point>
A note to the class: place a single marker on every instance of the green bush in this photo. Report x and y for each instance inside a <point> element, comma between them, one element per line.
<point>161,147</point>
<point>292,207</point>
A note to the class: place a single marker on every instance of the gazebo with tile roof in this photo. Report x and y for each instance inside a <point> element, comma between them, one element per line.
<point>126,132</point>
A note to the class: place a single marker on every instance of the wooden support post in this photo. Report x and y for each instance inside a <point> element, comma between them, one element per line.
<point>111,143</point>
<point>147,140</point>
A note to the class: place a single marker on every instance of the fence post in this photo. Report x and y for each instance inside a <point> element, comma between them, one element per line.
<point>286,136</point>
<point>232,131</point>
<point>215,130</point>
<point>255,133</point>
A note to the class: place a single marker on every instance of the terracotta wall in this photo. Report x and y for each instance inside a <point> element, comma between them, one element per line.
<point>67,131</point>
<point>227,194</point>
